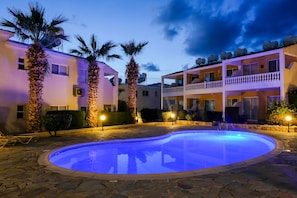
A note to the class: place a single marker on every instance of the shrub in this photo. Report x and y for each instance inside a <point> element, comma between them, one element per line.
<point>277,111</point>
<point>151,115</point>
<point>118,118</point>
<point>181,114</point>
<point>122,106</point>
<point>78,117</point>
<point>56,122</point>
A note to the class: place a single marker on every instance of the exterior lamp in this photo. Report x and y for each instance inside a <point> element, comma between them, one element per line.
<point>172,115</point>
<point>288,119</point>
<point>102,118</point>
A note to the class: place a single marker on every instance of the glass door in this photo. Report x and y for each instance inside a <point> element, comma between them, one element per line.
<point>251,108</point>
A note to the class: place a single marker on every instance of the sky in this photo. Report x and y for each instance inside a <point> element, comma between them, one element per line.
<point>177,31</point>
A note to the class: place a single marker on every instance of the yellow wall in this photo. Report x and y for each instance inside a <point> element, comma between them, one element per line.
<point>262,96</point>
<point>216,97</point>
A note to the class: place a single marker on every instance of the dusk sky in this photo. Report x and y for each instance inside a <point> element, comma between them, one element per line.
<point>178,31</point>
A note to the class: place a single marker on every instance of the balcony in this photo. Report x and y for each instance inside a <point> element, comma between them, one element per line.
<point>173,91</point>
<point>264,80</point>
<point>204,85</point>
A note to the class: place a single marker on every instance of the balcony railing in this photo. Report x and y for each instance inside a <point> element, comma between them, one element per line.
<point>272,76</point>
<point>173,89</point>
<point>205,85</point>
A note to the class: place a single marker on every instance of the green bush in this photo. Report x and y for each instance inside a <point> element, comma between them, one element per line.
<point>56,122</point>
<point>166,115</point>
<point>181,115</point>
<point>118,118</point>
<point>277,112</point>
<point>78,117</point>
<point>122,106</point>
<point>151,115</point>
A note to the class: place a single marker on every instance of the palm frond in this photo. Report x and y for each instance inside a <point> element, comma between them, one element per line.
<point>34,26</point>
<point>75,51</point>
<point>93,43</point>
<point>132,49</point>
<point>105,48</point>
<point>82,41</point>
<point>112,56</point>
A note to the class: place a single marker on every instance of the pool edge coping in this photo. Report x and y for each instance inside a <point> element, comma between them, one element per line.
<point>44,161</point>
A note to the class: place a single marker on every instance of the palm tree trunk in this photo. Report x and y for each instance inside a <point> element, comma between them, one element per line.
<point>93,80</point>
<point>132,76</point>
<point>37,67</point>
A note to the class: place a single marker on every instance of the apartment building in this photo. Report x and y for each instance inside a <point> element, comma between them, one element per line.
<point>249,81</point>
<point>65,86</point>
<point>148,96</point>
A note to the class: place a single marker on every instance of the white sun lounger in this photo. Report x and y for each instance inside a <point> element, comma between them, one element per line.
<point>3,142</point>
<point>23,139</point>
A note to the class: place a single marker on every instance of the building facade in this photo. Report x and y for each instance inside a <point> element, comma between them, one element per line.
<point>148,96</point>
<point>250,82</point>
<point>65,86</point>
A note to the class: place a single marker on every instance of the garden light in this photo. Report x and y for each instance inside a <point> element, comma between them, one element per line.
<point>102,118</point>
<point>172,115</point>
<point>288,119</point>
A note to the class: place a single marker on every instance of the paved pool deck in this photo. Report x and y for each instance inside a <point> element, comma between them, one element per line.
<point>22,176</point>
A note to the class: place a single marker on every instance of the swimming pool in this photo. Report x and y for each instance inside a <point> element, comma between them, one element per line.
<point>176,154</point>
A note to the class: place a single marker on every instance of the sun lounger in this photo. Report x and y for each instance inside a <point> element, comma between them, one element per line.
<point>23,139</point>
<point>3,142</point>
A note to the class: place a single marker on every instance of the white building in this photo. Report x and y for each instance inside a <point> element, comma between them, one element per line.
<point>148,96</point>
<point>65,87</point>
<point>250,81</point>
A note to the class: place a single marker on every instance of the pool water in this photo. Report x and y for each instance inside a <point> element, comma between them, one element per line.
<point>177,152</point>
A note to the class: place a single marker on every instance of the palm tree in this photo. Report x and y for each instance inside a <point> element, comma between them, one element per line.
<point>34,27</point>
<point>91,54</point>
<point>132,71</point>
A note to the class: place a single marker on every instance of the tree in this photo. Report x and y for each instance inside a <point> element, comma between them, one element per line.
<point>92,53</point>
<point>33,26</point>
<point>132,71</point>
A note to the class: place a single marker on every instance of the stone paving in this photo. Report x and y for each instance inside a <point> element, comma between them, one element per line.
<point>22,176</point>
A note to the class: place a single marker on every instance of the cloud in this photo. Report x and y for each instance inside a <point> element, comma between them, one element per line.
<point>150,67</point>
<point>214,26</point>
<point>173,16</point>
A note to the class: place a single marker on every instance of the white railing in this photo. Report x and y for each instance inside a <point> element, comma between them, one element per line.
<point>205,85</point>
<point>272,76</point>
<point>173,89</point>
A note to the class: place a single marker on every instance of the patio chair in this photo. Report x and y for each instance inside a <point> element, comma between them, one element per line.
<point>23,139</point>
<point>3,142</point>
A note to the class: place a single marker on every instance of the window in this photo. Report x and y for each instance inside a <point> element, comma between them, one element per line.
<point>180,82</point>
<point>58,108</point>
<point>20,111</point>
<point>21,64</point>
<point>250,69</point>
<point>209,76</point>
<point>83,76</point>
<point>145,93</point>
<point>209,105</point>
<point>156,93</point>
<point>59,69</point>
<point>230,72</point>
<point>273,65</point>
<point>231,101</point>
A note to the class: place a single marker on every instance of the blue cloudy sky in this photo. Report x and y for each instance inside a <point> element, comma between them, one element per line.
<point>178,31</point>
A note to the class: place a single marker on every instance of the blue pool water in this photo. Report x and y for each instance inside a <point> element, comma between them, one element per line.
<point>177,152</point>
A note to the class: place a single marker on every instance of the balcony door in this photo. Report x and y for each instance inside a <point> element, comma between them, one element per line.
<point>251,108</point>
<point>249,69</point>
